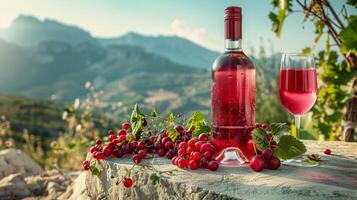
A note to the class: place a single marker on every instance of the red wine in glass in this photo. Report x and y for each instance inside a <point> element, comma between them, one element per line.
<point>297,91</point>
<point>233,96</point>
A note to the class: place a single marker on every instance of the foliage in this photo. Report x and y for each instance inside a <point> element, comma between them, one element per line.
<point>335,75</point>
<point>288,147</point>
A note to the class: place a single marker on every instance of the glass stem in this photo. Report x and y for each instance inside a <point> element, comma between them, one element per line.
<point>297,125</point>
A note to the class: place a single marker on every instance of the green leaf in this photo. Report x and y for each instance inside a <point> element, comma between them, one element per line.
<point>289,147</point>
<point>94,170</point>
<point>201,129</point>
<point>154,113</point>
<point>154,178</point>
<point>196,118</point>
<point>277,129</point>
<point>319,30</point>
<point>349,35</point>
<point>171,118</point>
<point>306,51</point>
<point>137,120</point>
<point>173,134</point>
<point>260,139</point>
<point>198,121</point>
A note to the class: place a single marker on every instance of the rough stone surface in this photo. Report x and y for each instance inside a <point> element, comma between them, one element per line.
<point>15,161</point>
<point>13,186</point>
<point>334,178</point>
<point>77,191</point>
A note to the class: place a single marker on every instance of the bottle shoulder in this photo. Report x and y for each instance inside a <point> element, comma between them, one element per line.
<point>229,60</point>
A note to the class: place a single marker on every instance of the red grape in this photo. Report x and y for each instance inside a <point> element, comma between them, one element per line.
<point>128,182</point>
<point>257,163</point>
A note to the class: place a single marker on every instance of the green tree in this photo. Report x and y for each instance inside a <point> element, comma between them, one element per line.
<point>335,74</point>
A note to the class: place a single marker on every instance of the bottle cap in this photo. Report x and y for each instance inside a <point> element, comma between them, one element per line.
<point>233,23</point>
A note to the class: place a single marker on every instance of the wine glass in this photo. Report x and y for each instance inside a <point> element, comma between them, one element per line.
<point>297,91</point>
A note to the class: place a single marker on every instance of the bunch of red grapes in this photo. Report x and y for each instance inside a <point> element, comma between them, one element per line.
<point>197,152</point>
<point>265,158</point>
<point>185,151</point>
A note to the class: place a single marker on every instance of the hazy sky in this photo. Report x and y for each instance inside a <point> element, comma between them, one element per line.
<point>198,20</point>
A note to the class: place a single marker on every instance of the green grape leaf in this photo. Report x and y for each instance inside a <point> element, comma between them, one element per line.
<point>94,170</point>
<point>349,35</point>
<point>289,147</point>
<point>137,120</point>
<point>171,118</point>
<point>173,134</point>
<point>198,121</point>
<point>154,178</point>
<point>260,139</point>
<point>154,113</point>
<point>202,128</point>
<point>277,129</point>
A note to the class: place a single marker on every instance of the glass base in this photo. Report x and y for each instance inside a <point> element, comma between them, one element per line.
<point>231,157</point>
<point>300,162</point>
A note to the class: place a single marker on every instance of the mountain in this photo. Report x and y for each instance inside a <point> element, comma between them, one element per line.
<point>175,48</point>
<point>58,68</point>
<point>50,60</point>
<point>28,30</point>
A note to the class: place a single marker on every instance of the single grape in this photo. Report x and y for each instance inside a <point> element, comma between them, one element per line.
<point>327,152</point>
<point>207,155</point>
<point>161,152</point>
<point>128,182</point>
<point>111,132</point>
<point>179,129</point>
<point>125,126</point>
<point>181,152</point>
<point>122,132</point>
<point>165,140</point>
<point>169,155</point>
<point>192,142</point>
<point>273,163</point>
<point>142,153</point>
<point>141,144</point>
<point>189,150</point>
<point>203,137</point>
<point>168,145</point>
<point>98,142</point>
<point>267,154</point>
<point>98,155</point>
<point>193,164</point>
<point>136,159</point>
<point>207,147</point>
<point>198,145</point>
<point>107,151</point>
<point>182,163</point>
<point>183,145</point>
<point>122,138</point>
<point>197,156</point>
<point>119,152</point>
<point>112,137</point>
<point>93,149</point>
<point>213,165</point>
<point>257,163</point>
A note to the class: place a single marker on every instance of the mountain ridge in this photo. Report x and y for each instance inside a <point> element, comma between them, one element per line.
<point>27,30</point>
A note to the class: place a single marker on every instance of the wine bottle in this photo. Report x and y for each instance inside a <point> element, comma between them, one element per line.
<point>233,95</point>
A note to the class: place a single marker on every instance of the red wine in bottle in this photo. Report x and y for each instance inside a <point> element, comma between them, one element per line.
<point>233,95</point>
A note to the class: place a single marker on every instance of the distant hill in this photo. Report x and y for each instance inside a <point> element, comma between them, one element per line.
<point>28,30</point>
<point>61,69</point>
<point>47,59</point>
<point>175,48</point>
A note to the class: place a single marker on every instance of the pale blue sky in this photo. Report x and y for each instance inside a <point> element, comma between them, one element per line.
<point>198,20</point>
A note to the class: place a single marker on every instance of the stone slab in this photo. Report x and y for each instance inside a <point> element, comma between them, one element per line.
<point>334,178</point>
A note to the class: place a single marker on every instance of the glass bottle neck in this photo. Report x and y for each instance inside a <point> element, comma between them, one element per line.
<point>233,45</point>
